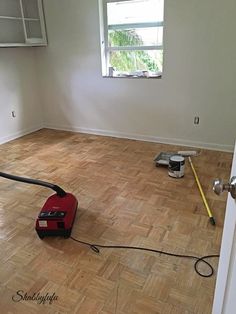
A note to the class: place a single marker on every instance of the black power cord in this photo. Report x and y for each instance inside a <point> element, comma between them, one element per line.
<point>95,248</point>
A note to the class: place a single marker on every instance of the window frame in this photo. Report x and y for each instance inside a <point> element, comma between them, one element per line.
<point>106,49</point>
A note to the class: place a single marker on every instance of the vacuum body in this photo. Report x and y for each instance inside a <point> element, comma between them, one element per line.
<point>57,216</point>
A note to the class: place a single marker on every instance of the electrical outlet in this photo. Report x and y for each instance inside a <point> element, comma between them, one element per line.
<point>13,114</point>
<point>196,120</point>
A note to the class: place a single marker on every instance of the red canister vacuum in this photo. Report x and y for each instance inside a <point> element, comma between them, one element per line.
<point>57,216</point>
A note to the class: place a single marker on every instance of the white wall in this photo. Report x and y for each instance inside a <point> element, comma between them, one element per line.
<point>199,76</point>
<point>18,92</point>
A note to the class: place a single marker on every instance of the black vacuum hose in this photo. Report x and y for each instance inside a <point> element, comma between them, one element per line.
<point>56,188</point>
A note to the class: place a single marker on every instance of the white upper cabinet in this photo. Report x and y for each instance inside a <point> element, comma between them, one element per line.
<point>22,23</point>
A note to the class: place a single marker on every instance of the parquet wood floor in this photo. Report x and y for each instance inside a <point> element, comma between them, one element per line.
<point>124,199</point>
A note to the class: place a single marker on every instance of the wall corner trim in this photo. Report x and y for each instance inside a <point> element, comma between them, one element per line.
<point>18,134</point>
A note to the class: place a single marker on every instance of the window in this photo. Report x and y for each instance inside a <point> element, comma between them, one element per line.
<point>132,37</point>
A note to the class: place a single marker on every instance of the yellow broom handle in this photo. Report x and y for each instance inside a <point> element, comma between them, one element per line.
<point>200,188</point>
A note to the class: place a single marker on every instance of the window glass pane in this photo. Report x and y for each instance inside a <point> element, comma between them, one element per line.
<point>149,36</point>
<point>136,63</point>
<point>10,8</point>
<point>11,31</point>
<point>33,29</point>
<point>135,11</point>
<point>30,9</point>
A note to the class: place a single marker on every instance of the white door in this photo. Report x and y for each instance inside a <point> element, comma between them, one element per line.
<point>225,292</point>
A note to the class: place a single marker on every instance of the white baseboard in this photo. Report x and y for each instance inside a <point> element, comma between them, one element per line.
<point>18,134</point>
<point>139,137</point>
<point>146,138</point>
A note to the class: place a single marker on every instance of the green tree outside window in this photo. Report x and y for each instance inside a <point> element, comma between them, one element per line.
<point>129,60</point>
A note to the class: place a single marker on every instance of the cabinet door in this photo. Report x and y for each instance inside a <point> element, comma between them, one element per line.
<point>22,23</point>
<point>33,19</point>
<point>11,23</point>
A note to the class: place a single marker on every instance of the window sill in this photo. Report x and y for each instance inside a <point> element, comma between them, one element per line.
<point>133,77</point>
